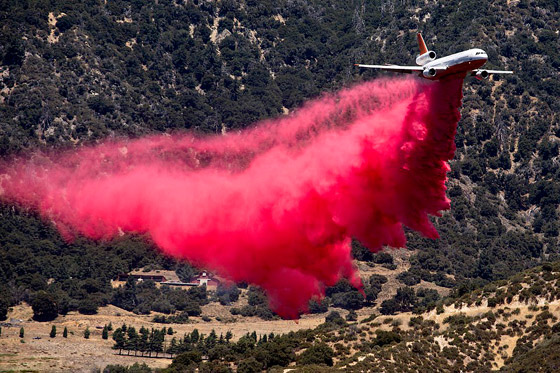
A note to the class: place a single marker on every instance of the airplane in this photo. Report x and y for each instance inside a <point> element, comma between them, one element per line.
<point>433,68</point>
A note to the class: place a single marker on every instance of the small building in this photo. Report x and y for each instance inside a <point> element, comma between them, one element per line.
<point>158,276</point>
<point>169,278</point>
<point>204,279</point>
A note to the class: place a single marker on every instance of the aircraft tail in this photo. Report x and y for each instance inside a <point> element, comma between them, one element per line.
<point>421,44</point>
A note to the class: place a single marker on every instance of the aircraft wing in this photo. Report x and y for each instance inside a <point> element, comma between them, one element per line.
<point>493,71</point>
<point>395,68</point>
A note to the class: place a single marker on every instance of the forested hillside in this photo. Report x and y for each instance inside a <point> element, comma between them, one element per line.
<point>76,72</point>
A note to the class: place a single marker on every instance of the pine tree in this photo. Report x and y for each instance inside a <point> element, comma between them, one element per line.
<point>143,343</point>
<point>133,340</point>
<point>65,332</point>
<point>53,331</point>
<point>195,336</point>
<point>170,331</point>
<point>0,331</point>
<point>172,349</point>
<point>158,340</point>
<point>105,334</point>
<point>21,332</point>
<point>110,326</point>
<point>119,338</point>
<point>86,333</point>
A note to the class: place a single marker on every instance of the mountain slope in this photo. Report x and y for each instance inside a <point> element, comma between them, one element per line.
<point>75,72</point>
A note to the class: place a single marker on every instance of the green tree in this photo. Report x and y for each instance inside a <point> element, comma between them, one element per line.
<point>250,365</point>
<point>105,333</point>
<point>44,306</point>
<point>120,340</point>
<point>53,331</point>
<point>319,353</point>
<point>86,333</point>
<point>185,361</point>
<point>3,309</point>
<point>21,332</point>
<point>133,340</point>
<point>87,307</point>
<point>65,332</point>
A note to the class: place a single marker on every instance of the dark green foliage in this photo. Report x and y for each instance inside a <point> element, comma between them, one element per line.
<point>404,301</point>
<point>65,332</point>
<point>250,365</point>
<point>44,306</point>
<point>318,306</point>
<point>227,293</point>
<point>21,332</point>
<point>134,368</point>
<point>144,297</point>
<point>86,333</point>
<point>105,333</point>
<point>185,361</point>
<point>181,318</point>
<point>373,286</point>
<point>53,332</point>
<point>87,307</point>
<point>3,309</point>
<point>544,357</point>
<point>344,295</point>
<point>319,353</point>
<point>334,318</point>
<point>352,316</point>
<point>383,338</point>
<point>258,305</point>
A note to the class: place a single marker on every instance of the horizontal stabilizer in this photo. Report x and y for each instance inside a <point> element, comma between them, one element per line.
<point>492,71</point>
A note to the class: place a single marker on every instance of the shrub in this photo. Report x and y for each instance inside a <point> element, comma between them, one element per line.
<point>250,365</point>
<point>87,307</point>
<point>3,309</point>
<point>334,318</point>
<point>44,306</point>
<point>317,354</point>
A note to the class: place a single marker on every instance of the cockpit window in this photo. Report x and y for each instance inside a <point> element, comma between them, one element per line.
<point>477,53</point>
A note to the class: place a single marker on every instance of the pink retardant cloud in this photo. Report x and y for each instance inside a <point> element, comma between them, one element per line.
<point>275,205</point>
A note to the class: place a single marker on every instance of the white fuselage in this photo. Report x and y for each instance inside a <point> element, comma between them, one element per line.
<point>465,61</point>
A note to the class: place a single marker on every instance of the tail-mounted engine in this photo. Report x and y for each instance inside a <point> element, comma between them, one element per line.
<point>423,59</point>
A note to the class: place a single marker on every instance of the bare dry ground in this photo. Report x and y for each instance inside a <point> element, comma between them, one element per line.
<point>77,354</point>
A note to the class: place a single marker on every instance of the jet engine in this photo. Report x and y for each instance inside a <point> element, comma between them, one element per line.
<point>482,74</point>
<point>425,58</point>
<point>429,73</point>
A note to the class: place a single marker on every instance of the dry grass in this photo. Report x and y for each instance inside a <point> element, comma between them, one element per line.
<point>78,354</point>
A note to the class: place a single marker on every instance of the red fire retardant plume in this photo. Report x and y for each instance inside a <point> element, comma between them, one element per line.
<point>276,205</point>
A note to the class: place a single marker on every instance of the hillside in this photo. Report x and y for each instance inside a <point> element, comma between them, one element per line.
<point>509,325</point>
<point>78,72</point>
